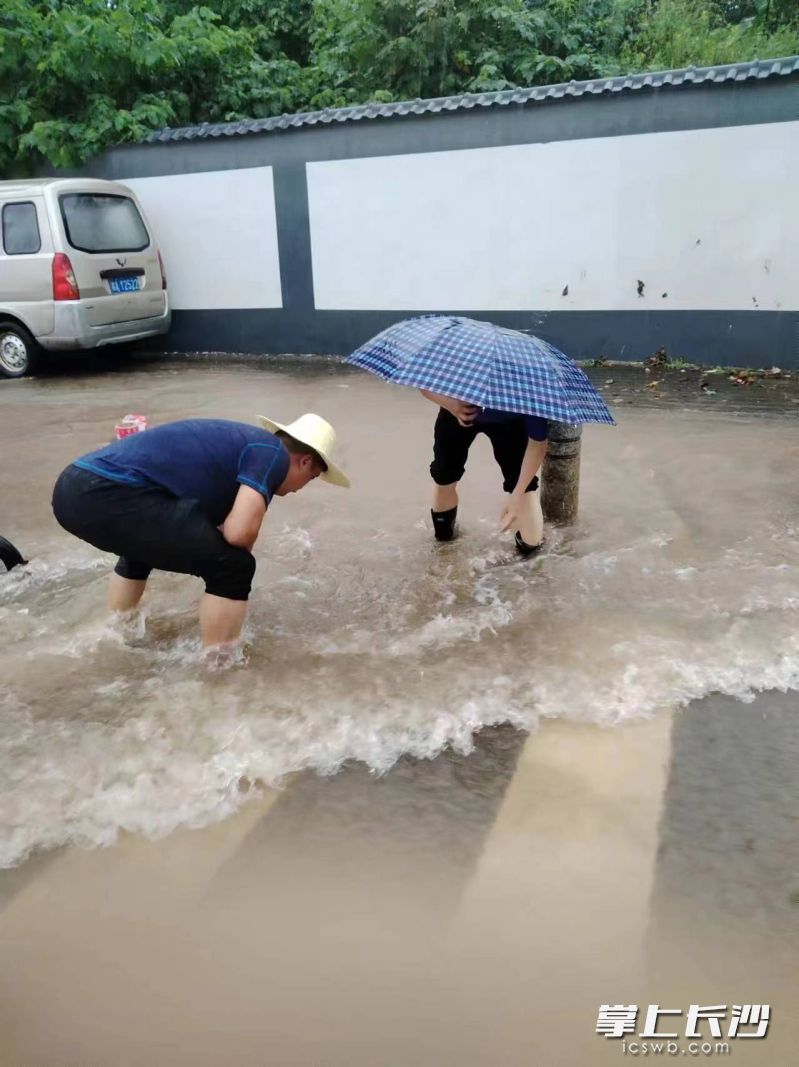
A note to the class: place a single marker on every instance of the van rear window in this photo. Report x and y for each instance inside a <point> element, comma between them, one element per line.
<point>99,222</point>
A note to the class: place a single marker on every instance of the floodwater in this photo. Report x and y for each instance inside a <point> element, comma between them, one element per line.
<point>453,801</point>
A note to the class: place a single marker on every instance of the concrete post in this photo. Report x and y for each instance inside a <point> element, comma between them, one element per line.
<point>560,481</point>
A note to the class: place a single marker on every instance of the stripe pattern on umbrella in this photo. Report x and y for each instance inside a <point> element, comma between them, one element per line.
<point>483,364</point>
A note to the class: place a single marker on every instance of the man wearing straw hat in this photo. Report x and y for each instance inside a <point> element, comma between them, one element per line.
<point>190,497</point>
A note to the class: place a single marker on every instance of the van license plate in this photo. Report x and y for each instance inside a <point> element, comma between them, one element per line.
<point>124,285</point>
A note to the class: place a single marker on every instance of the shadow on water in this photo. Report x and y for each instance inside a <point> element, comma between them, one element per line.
<point>413,834</point>
<point>724,911</point>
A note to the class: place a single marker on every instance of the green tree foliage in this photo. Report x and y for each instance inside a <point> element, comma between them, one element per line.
<point>404,49</point>
<point>700,33</point>
<point>79,75</point>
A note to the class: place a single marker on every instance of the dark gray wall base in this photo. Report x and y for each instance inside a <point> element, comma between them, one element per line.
<point>728,338</point>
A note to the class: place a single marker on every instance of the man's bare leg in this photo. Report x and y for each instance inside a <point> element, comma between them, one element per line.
<point>221,619</point>
<point>445,497</point>
<point>531,518</point>
<point>124,594</point>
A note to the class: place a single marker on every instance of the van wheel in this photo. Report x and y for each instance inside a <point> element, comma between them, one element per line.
<point>19,353</point>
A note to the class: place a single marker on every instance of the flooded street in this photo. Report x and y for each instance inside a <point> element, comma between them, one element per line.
<point>450,801</point>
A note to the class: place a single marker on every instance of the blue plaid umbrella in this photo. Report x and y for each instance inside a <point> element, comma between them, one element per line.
<point>483,364</point>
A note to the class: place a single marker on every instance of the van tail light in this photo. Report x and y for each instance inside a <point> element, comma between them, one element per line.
<point>163,272</point>
<point>64,285</point>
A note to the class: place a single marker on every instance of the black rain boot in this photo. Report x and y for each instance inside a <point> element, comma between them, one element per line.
<point>444,524</point>
<point>10,554</point>
<point>524,549</point>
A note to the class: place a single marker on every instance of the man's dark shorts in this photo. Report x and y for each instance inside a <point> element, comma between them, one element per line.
<point>451,444</point>
<point>150,529</point>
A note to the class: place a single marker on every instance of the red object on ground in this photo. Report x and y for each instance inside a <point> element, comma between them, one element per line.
<point>129,425</point>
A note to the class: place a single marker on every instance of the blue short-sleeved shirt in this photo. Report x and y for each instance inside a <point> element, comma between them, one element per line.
<point>537,428</point>
<point>205,459</point>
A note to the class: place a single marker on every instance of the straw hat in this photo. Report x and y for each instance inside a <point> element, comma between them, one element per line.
<point>318,434</point>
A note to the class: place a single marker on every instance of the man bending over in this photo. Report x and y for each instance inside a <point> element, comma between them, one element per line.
<point>190,497</point>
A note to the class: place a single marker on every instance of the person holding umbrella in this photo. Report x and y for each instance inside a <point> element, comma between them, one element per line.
<point>485,379</point>
<point>519,443</point>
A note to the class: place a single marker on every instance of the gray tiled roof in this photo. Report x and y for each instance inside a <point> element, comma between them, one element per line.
<point>732,72</point>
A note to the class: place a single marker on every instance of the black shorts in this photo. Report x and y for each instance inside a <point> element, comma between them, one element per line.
<point>150,529</point>
<point>451,444</point>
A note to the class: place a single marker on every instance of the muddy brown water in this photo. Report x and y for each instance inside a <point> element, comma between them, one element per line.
<point>354,899</point>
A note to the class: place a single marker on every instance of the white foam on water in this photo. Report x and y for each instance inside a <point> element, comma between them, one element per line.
<point>440,632</point>
<point>179,761</point>
<point>165,741</point>
<point>81,564</point>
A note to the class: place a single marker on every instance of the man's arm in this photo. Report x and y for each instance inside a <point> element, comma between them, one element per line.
<point>243,524</point>
<point>531,463</point>
<point>463,412</point>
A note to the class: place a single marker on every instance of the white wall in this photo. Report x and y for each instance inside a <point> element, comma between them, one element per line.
<point>218,236</point>
<point>707,216</point>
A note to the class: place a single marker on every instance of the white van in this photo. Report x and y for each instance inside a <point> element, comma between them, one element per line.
<point>79,268</point>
